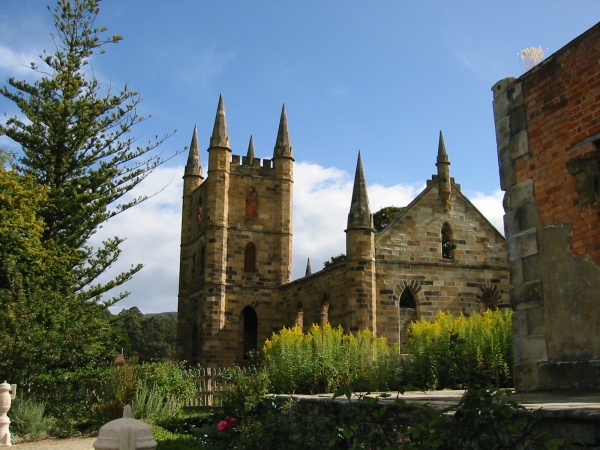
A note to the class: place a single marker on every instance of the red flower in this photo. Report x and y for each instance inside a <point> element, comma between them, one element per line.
<point>232,419</point>
<point>222,425</point>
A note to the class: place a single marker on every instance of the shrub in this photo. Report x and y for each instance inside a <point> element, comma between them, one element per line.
<point>244,392</point>
<point>150,404</point>
<point>457,352</point>
<point>82,400</point>
<point>28,419</point>
<point>325,359</point>
<point>116,393</point>
<point>69,396</point>
<point>171,379</point>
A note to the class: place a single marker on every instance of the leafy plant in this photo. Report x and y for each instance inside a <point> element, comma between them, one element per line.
<point>245,391</point>
<point>172,379</point>
<point>324,359</point>
<point>149,404</point>
<point>29,419</point>
<point>452,352</point>
<point>76,142</point>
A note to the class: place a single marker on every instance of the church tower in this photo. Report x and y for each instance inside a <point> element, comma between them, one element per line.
<point>360,258</point>
<point>235,247</point>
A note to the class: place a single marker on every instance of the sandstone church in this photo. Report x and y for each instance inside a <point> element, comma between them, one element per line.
<point>235,288</point>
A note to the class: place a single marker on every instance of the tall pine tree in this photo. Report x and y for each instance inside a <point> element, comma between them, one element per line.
<point>76,142</point>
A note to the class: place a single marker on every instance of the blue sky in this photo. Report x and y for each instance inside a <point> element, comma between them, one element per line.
<point>383,77</point>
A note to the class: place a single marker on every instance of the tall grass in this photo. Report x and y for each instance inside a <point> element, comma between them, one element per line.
<point>453,352</point>
<point>326,359</point>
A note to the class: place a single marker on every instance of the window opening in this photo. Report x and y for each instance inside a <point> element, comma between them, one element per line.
<point>447,244</point>
<point>407,299</point>
<point>249,320</point>
<point>250,257</point>
<point>252,203</point>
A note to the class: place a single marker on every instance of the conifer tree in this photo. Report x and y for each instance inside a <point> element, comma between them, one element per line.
<point>43,328</point>
<point>76,142</point>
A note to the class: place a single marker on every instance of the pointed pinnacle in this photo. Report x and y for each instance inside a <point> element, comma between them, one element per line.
<point>442,156</point>
<point>308,268</point>
<point>282,144</point>
<point>360,212</point>
<point>250,154</point>
<point>220,137</point>
<point>193,166</point>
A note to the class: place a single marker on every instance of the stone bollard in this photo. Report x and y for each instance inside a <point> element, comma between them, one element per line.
<point>7,393</point>
<point>125,434</point>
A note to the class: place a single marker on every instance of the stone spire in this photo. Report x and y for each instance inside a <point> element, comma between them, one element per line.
<point>442,156</point>
<point>443,169</point>
<point>250,154</point>
<point>360,213</point>
<point>308,268</point>
<point>282,145</point>
<point>193,166</point>
<point>220,138</point>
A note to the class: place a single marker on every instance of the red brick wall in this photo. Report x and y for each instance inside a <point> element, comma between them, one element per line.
<point>562,96</point>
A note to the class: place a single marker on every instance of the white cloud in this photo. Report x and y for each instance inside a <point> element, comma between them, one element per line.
<point>491,207</point>
<point>16,63</point>
<point>322,199</point>
<point>321,203</point>
<point>152,231</point>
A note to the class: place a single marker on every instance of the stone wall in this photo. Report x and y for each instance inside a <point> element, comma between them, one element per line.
<point>409,256</point>
<point>548,131</point>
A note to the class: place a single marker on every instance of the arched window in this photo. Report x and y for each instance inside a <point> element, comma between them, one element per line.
<point>250,257</point>
<point>447,241</point>
<point>251,203</point>
<point>488,297</point>
<point>407,299</point>
<point>249,322</point>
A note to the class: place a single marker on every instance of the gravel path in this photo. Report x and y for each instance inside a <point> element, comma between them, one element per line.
<point>58,444</point>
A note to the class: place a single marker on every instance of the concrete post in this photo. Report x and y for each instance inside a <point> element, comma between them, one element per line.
<point>7,393</point>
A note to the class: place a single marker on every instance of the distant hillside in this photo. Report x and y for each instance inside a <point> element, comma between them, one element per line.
<point>164,315</point>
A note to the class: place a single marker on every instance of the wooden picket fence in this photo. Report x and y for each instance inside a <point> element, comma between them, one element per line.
<point>210,386</point>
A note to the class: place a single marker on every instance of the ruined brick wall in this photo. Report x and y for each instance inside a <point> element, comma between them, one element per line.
<point>548,130</point>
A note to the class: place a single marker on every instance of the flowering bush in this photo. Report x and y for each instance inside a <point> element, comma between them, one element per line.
<point>224,425</point>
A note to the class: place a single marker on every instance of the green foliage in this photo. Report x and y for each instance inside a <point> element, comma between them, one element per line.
<point>42,327</point>
<point>114,393</point>
<point>173,441</point>
<point>172,379</point>
<point>484,419</point>
<point>488,418</point>
<point>69,396</point>
<point>244,392</point>
<point>384,216</point>
<point>145,338</point>
<point>28,419</point>
<point>76,143</point>
<point>150,405</point>
<point>83,399</point>
<point>335,260</point>
<point>323,360</point>
<point>456,352</point>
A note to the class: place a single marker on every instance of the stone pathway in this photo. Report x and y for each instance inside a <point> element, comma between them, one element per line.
<point>58,444</point>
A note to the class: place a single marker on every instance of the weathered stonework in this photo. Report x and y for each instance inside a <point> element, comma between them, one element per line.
<point>548,134</point>
<point>236,247</point>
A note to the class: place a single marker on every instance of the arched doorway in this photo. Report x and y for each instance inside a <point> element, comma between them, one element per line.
<point>249,322</point>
